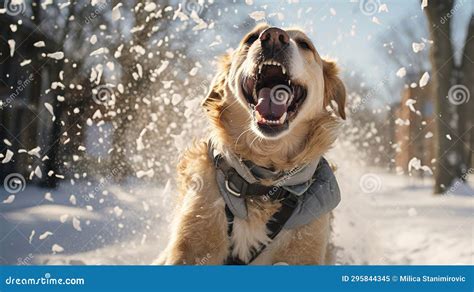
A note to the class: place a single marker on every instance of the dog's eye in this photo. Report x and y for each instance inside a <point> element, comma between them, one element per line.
<point>251,39</point>
<point>303,44</point>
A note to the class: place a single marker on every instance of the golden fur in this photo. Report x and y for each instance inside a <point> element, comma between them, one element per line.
<point>200,228</point>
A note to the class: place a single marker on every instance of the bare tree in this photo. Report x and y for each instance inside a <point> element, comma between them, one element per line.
<point>465,112</point>
<point>449,154</point>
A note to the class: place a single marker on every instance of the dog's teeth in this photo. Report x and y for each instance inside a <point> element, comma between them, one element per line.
<point>260,68</point>
<point>272,122</point>
<point>283,70</point>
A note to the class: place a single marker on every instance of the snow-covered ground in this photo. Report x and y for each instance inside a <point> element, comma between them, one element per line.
<point>119,225</point>
<point>383,219</point>
<point>396,220</point>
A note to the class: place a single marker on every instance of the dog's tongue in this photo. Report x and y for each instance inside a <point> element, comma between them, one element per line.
<point>268,106</point>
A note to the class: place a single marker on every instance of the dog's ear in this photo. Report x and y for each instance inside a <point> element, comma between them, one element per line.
<point>334,88</point>
<point>216,91</point>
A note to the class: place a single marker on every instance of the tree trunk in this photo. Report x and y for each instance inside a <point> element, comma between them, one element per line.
<point>466,108</point>
<point>442,61</point>
<point>52,164</point>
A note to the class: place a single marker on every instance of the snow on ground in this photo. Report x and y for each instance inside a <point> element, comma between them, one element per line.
<point>119,225</point>
<point>396,220</point>
<point>382,219</point>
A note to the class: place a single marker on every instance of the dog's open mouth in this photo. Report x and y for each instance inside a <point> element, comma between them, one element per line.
<point>273,97</point>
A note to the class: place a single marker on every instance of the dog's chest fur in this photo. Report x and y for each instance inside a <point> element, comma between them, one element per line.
<point>250,233</point>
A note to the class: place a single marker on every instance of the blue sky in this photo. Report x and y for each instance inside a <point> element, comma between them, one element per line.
<point>330,23</point>
<point>342,31</point>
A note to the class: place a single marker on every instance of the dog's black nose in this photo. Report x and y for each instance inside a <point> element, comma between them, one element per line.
<point>274,40</point>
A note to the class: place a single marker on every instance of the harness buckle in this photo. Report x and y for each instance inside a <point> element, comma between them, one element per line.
<point>232,178</point>
<point>227,186</point>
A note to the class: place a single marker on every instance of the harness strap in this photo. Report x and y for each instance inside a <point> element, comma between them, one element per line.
<point>230,220</point>
<point>274,225</point>
<point>239,187</point>
<point>230,226</point>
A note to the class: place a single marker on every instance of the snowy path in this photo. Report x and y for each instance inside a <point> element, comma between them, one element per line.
<point>400,222</point>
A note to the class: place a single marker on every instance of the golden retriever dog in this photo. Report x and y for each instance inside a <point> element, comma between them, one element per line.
<point>247,122</point>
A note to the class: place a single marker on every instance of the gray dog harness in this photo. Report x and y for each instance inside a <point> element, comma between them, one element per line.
<point>305,193</point>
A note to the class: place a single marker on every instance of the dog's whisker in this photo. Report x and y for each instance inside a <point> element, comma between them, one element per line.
<point>251,143</point>
<point>224,109</point>
<point>241,134</point>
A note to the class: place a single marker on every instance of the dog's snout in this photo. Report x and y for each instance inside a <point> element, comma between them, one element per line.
<point>274,39</point>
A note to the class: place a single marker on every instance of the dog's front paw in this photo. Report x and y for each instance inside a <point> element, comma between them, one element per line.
<point>167,258</point>
<point>161,260</point>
